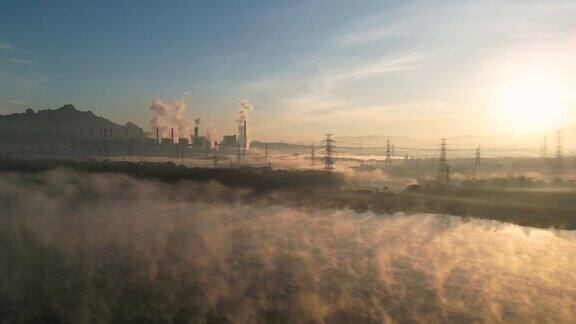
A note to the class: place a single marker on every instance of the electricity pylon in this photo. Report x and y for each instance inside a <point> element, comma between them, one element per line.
<point>477,161</point>
<point>312,154</point>
<point>559,156</point>
<point>388,162</point>
<point>329,150</point>
<point>443,167</point>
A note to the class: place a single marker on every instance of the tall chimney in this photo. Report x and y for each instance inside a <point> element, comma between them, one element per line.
<point>172,135</point>
<point>157,136</point>
<point>245,134</point>
<point>196,132</point>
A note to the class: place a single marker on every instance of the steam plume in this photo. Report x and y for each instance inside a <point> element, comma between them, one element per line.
<point>212,134</point>
<point>243,118</point>
<point>171,115</point>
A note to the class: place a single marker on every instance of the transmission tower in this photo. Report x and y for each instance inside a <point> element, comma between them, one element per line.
<point>559,156</point>
<point>141,145</point>
<point>312,154</point>
<point>477,161</point>
<point>544,148</point>
<point>443,167</point>
<point>389,149</point>
<point>238,154</point>
<point>266,151</point>
<point>215,155</point>
<point>329,150</point>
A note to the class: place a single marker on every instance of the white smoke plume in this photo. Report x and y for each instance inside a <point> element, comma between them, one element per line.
<point>244,111</point>
<point>213,134</point>
<point>110,248</point>
<point>171,115</point>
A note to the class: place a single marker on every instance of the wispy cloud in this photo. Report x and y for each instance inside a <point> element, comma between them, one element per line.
<point>367,36</point>
<point>330,80</point>
<point>20,79</point>
<point>19,61</point>
<point>7,47</point>
<point>450,21</point>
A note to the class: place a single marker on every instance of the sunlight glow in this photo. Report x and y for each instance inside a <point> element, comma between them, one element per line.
<point>533,100</point>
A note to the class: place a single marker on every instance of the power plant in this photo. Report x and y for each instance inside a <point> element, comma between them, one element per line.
<point>200,141</point>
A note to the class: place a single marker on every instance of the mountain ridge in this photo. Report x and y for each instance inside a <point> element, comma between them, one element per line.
<point>60,124</point>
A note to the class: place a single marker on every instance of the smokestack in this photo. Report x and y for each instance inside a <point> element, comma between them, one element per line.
<point>157,136</point>
<point>172,135</point>
<point>245,134</point>
<point>196,124</point>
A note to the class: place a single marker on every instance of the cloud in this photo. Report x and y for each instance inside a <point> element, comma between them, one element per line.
<point>20,79</point>
<point>367,36</point>
<point>322,95</point>
<point>7,47</point>
<point>331,79</point>
<point>19,61</point>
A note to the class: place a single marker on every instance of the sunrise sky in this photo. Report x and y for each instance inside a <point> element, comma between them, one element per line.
<point>402,68</point>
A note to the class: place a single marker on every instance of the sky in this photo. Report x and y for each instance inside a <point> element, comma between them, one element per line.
<point>393,68</point>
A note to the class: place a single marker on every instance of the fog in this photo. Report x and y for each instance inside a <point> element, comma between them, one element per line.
<point>83,247</point>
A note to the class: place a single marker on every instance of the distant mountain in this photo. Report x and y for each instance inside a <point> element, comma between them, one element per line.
<point>526,140</point>
<point>61,124</point>
<point>377,140</point>
<point>278,145</point>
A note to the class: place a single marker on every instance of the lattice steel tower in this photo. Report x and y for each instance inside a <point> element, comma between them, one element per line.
<point>216,149</point>
<point>559,156</point>
<point>237,154</point>
<point>312,154</point>
<point>544,148</point>
<point>389,149</point>
<point>477,161</point>
<point>329,150</point>
<point>443,167</point>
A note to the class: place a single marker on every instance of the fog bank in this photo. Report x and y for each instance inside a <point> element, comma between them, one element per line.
<point>102,247</point>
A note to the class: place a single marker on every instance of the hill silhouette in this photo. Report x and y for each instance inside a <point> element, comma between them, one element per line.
<point>61,124</point>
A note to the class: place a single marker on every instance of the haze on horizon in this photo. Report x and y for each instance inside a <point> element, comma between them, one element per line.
<point>401,68</point>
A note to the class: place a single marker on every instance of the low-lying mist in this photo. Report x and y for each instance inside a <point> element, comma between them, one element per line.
<point>79,247</point>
